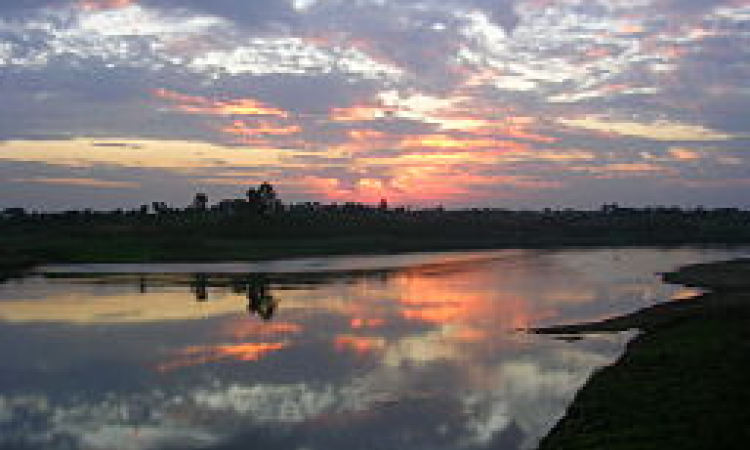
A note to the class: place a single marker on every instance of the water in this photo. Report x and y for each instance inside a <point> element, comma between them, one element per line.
<point>421,351</point>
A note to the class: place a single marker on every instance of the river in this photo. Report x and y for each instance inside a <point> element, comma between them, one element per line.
<point>417,351</point>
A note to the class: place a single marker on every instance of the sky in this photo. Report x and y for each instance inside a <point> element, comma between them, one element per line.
<point>461,103</point>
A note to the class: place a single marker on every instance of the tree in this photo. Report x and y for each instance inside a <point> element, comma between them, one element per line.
<point>200,202</point>
<point>14,212</point>
<point>268,201</point>
<point>267,192</point>
<point>160,207</point>
<point>254,200</point>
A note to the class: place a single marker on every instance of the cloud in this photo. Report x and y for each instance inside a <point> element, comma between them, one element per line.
<point>174,155</point>
<point>684,154</point>
<point>693,7</point>
<point>82,182</point>
<point>95,5</point>
<point>372,97</point>
<point>254,13</point>
<point>249,13</point>
<point>16,6</point>
<point>115,144</point>
<point>657,130</point>
<point>233,107</point>
<point>203,354</point>
<point>502,12</point>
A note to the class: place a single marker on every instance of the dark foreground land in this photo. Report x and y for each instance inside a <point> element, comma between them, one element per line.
<point>684,383</point>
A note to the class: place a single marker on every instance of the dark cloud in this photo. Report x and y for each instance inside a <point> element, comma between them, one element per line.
<point>301,94</point>
<point>63,102</point>
<point>13,6</point>
<point>116,145</point>
<point>691,7</point>
<point>246,12</point>
<point>726,112</point>
<point>502,12</point>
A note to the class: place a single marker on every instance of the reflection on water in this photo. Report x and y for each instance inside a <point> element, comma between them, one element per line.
<point>418,351</point>
<point>260,302</point>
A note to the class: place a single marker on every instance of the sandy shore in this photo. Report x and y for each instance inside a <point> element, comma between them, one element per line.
<point>683,383</point>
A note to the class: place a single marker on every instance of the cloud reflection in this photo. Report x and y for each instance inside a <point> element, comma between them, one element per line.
<point>428,351</point>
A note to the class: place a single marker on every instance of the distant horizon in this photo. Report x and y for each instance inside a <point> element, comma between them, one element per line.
<point>515,104</point>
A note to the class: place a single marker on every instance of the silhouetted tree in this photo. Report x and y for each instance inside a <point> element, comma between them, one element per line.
<point>14,212</point>
<point>142,284</point>
<point>200,286</point>
<point>200,202</point>
<point>160,207</point>
<point>254,200</point>
<point>268,197</point>
<point>260,300</point>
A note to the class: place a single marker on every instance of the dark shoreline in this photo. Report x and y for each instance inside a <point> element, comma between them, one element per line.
<point>683,383</point>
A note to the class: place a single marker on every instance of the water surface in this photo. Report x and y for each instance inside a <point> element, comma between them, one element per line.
<point>420,351</point>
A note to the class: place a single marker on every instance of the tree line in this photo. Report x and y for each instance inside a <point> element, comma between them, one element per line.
<point>261,214</point>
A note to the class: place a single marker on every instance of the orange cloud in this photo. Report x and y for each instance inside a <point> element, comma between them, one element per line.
<point>358,344</point>
<point>331,188</point>
<point>360,113</point>
<point>438,314</point>
<point>202,105</point>
<point>520,133</point>
<point>241,328</point>
<point>631,29</point>
<point>465,123</point>
<point>509,127</point>
<point>684,154</point>
<point>451,301</point>
<point>358,323</point>
<point>202,354</point>
<point>633,167</point>
<point>423,179</point>
<point>442,141</point>
<point>436,158</point>
<point>261,129</point>
<point>97,5</point>
<point>366,135</point>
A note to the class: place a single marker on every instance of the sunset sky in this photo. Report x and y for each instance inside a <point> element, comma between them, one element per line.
<point>505,103</point>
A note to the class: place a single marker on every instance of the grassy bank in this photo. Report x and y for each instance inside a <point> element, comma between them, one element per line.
<point>684,383</point>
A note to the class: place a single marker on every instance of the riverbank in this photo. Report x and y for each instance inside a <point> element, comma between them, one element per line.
<point>683,383</point>
<point>18,255</point>
<point>20,252</point>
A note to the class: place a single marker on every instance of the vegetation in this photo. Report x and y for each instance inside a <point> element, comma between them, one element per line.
<point>260,226</point>
<point>682,384</point>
